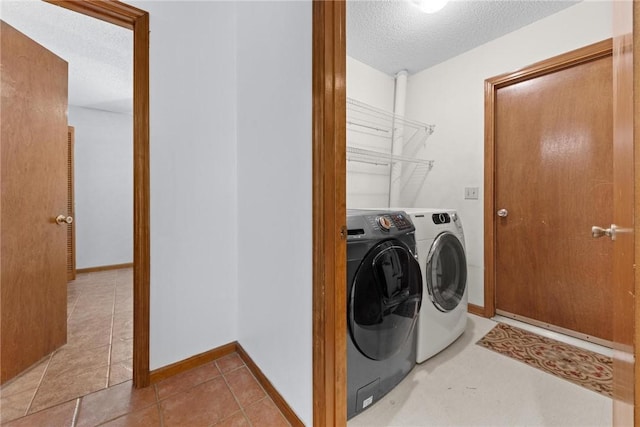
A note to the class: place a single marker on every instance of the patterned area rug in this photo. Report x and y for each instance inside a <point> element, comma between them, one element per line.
<point>583,367</point>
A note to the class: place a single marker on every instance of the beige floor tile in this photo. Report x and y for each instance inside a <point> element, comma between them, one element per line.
<point>120,372</point>
<point>29,380</point>
<point>104,295</point>
<point>89,339</point>
<point>91,310</point>
<point>62,388</point>
<point>74,360</point>
<point>124,305</point>
<point>113,402</point>
<point>15,405</point>
<point>87,322</point>
<point>57,416</point>
<point>123,316</point>
<point>121,349</point>
<point>72,299</point>
<point>123,325</point>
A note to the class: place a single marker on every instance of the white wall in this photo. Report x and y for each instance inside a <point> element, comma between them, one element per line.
<point>366,84</point>
<point>194,293</point>
<point>275,193</point>
<point>451,95</point>
<point>103,186</point>
<point>368,185</point>
<point>231,213</point>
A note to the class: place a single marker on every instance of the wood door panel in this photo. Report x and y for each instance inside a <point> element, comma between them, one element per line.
<point>554,176</point>
<point>34,190</point>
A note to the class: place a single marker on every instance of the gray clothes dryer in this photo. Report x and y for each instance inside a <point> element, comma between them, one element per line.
<point>384,293</point>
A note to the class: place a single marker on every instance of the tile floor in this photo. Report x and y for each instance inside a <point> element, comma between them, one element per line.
<point>219,393</point>
<point>98,352</point>
<point>468,385</point>
<point>87,382</point>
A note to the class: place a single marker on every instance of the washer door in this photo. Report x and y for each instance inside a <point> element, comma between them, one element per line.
<point>446,272</point>
<point>385,300</point>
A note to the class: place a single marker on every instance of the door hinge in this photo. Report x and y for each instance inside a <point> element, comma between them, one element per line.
<point>343,232</point>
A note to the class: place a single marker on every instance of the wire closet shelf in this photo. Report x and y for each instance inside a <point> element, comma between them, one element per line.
<point>381,138</point>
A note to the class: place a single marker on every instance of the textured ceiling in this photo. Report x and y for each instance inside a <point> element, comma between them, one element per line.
<point>100,55</point>
<point>392,35</point>
<point>389,35</point>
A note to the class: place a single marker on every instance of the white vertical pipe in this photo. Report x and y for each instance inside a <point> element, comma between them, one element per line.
<point>397,140</point>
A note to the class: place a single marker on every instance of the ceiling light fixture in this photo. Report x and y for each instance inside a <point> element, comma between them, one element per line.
<point>430,6</point>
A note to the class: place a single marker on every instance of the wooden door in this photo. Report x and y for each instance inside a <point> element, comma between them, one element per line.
<point>33,141</point>
<point>553,178</point>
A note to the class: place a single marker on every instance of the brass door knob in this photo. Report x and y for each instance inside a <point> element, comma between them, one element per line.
<point>61,219</point>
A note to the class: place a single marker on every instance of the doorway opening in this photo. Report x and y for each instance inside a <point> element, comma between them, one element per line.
<point>137,20</point>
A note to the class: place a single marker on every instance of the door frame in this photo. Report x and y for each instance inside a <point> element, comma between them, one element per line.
<point>329,214</point>
<point>329,127</point>
<point>626,250</point>
<point>137,20</point>
<point>561,62</point>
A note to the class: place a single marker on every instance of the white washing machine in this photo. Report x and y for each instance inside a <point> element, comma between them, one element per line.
<point>441,254</point>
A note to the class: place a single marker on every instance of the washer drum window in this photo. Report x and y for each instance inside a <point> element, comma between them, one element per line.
<point>446,272</point>
<point>385,300</point>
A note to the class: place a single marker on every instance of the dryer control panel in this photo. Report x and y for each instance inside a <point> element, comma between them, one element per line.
<point>441,218</point>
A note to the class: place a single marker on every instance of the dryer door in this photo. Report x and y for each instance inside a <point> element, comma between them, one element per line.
<point>384,300</point>
<point>446,272</point>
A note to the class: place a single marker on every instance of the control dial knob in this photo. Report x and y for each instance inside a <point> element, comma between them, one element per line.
<point>384,222</point>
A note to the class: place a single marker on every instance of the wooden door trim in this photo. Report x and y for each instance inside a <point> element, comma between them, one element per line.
<point>570,59</point>
<point>329,214</point>
<point>636,150</point>
<point>626,250</point>
<point>118,13</point>
<point>71,228</point>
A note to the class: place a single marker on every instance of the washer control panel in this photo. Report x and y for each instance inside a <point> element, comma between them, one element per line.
<point>364,224</point>
<point>384,223</point>
<point>401,220</point>
<point>393,220</point>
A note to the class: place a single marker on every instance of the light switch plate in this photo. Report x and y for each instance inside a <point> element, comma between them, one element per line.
<point>471,193</point>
